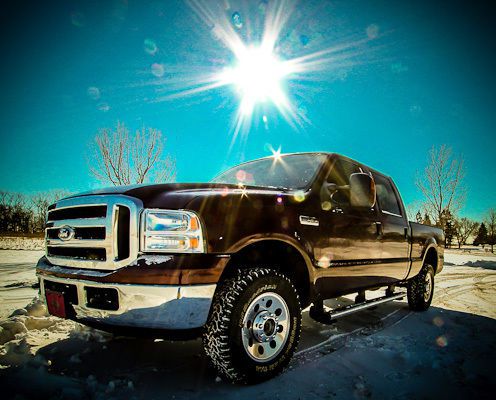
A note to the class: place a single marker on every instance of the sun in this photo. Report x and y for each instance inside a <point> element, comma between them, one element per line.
<point>262,65</point>
<point>258,76</point>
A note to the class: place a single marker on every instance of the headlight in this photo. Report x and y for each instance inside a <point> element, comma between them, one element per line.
<point>171,231</point>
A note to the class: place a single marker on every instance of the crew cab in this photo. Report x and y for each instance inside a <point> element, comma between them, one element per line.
<point>236,260</point>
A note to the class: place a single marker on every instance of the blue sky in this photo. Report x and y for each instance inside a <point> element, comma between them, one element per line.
<point>424,76</point>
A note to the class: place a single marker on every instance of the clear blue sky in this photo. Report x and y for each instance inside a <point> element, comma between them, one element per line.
<point>71,67</point>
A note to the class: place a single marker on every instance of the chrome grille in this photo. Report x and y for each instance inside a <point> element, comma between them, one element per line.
<point>103,232</point>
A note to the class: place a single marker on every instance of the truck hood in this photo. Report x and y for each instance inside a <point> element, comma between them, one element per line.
<point>177,195</point>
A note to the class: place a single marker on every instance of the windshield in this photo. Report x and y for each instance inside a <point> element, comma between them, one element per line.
<point>291,172</point>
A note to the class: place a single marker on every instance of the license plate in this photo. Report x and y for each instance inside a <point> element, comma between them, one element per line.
<point>56,304</point>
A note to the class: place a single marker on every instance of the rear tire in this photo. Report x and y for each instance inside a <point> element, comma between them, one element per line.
<point>254,326</point>
<point>421,289</point>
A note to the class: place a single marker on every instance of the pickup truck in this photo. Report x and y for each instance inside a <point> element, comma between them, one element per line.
<point>236,260</point>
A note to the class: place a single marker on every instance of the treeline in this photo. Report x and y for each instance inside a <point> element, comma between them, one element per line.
<point>26,214</point>
<point>444,194</point>
<point>462,231</point>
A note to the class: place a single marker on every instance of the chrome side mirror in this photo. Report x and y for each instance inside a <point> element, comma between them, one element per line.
<point>362,190</point>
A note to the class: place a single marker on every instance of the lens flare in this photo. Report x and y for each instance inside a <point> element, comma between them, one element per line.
<point>326,205</point>
<point>237,20</point>
<point>442,341</point>
<point>104,107</point>
<point>150,46</point>
<point>241,175</point>
<point>158,70</point>
<point>299,196</point>
<point>372,31</point>
<point>78,19</point>
<point>93,93</point>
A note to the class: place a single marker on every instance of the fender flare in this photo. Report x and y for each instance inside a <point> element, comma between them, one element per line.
<point>288,240</point>
<point>430,244</point>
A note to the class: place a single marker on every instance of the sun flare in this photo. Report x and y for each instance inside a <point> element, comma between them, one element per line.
<point>276,154</point>
<point>261,65</point>
<point>258,76</point>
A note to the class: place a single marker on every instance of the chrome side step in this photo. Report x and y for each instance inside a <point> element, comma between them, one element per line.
<point>347,310</point>
<point>320,314</point>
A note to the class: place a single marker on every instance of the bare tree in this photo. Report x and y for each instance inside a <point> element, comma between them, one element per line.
<point>441,184</point>
<point>5,211</point>
<point>124,159</point>
<point>463,229</point>
<point>490,223</point>
<point>413,208</point>
<point>20,213</point>
<point>40,203</point>
<point>15,213</point>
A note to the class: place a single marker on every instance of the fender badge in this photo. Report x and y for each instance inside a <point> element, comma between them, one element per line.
<point>312,221</point>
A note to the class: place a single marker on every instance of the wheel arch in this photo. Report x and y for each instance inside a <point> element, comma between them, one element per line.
<point>431,256</point>
<point>280,254</point>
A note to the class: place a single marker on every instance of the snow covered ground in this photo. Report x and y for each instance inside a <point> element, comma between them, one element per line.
<point>17,279</point>
<point>21,243</point>
<point>389,352</point>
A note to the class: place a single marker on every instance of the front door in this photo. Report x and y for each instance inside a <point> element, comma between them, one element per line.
<point>352,259</point>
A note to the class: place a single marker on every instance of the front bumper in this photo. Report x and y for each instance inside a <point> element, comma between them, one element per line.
<point>167,307</point>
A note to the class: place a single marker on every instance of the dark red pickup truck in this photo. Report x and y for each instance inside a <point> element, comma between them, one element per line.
<point>237,259</point>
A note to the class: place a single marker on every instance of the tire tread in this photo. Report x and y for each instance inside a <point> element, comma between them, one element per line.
<point>216,337</point>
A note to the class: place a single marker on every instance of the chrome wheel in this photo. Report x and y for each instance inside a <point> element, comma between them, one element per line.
<point>427,287</point>
<point>265,327</point>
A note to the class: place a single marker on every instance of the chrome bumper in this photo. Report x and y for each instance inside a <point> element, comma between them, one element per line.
<point>143,306</point>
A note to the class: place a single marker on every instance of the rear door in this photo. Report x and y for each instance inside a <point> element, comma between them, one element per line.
<point>393,228</point>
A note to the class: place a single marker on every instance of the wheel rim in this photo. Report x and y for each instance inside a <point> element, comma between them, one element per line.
<point>265,327</point>
<point>427,287</point>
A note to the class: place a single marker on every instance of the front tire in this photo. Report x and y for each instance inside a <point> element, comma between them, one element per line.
<point>421,289</point>
<point>254,327</point>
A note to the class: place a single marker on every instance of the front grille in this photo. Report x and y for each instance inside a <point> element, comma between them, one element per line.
<point>80,233</point>
<point>78,212</point>
<point>99,232</point>
<point>123,233</point>
<point>81,253</point>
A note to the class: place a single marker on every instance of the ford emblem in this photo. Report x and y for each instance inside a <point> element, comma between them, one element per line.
<point>66,233</point>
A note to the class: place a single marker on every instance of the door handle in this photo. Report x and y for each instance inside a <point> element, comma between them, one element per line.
<point>378,228</point>
<point>405,230</point>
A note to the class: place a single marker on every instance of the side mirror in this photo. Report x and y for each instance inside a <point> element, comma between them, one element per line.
<point>362,190</point>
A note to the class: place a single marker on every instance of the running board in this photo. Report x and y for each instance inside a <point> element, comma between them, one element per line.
<point>329,317</point>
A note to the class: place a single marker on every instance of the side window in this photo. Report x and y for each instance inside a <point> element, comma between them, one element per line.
<point>385,195</point>
<point>340,175</point>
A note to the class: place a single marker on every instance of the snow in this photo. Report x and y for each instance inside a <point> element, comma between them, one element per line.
<point>388,352</point>
<point>150,260</point>
<point>17,279</point>
<point>153,259</point>
<point>75,271</point>
<point>468,259</point>
<point>21,243</point>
